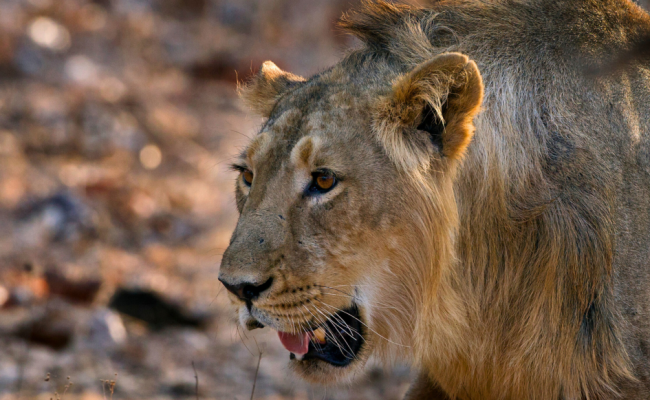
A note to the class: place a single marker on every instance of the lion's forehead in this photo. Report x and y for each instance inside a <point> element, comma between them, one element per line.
<point>321,93</point>
<point>328,116</point>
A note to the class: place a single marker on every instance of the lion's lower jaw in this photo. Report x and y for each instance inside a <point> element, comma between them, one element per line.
<point>344,354</point>
<point>321,373</point>
<point>384,346</point>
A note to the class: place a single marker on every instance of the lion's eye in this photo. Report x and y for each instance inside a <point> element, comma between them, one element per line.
<point>247,177</point>
<point>323,181</point>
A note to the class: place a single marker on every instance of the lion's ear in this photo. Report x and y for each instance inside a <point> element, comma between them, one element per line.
<point>264,90</point>
<point>430,109</point>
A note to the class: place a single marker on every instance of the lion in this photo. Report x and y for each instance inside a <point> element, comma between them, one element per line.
<point>459,193</point>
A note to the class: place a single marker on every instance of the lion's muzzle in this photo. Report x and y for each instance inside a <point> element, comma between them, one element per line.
<point>255,250</point>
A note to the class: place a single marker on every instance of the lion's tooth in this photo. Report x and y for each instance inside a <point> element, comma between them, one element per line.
<point>319,335</point>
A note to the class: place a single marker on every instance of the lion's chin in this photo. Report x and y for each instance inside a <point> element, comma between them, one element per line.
<point>321,372</point>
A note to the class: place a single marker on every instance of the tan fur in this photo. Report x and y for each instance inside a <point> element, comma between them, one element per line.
<point>264,89</point>
<point>257,145</point>
<point>507,264</point>
<point>432,83</point>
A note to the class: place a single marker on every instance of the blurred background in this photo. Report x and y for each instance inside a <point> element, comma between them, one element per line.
<point>118,119</point>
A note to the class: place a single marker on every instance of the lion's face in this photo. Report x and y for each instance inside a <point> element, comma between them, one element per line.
<point>311,226</point>
<point>325,210</point>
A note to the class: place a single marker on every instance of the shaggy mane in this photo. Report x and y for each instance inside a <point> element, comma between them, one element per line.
<point>536,245</point>
<point>376,23</point>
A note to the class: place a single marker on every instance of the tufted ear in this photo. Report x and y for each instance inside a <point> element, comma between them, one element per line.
<point>430,110</point>
<point>264,90</point>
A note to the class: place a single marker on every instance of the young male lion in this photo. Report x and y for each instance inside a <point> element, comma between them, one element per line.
<point>513,263</point>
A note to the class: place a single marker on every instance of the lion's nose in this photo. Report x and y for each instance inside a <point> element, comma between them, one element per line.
<point>247,291</point>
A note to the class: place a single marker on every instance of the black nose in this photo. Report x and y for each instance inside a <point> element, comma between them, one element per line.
<point>247,291</point>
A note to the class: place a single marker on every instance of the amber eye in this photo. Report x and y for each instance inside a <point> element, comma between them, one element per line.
<point>247,177</point>
<point>323,181</point>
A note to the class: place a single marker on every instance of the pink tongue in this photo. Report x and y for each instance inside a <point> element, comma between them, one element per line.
<point>296,343</point>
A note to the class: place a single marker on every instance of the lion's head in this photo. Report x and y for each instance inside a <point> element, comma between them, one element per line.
<point>364,230</point>
<point>345,201</point>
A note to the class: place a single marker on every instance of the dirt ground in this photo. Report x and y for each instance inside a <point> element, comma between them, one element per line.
<point>118,119</point>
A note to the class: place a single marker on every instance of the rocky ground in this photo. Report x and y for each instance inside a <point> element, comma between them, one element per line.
<point>118,119</point>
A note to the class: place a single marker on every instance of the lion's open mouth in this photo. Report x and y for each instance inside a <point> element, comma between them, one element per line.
<point>337,341</point>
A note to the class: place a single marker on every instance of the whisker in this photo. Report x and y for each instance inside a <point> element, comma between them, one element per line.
<point>243,342</point>
<point>336,286</point>
<point>362,323</point>
<point>215,297</point>
<point>316,344</point>
<point>293,326</point>
<point>326,328</point>
<point>320,322</point>
<point>337,290</point>
<point>331,316</point>
<point>339,327</point>
<point>375,304</point>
